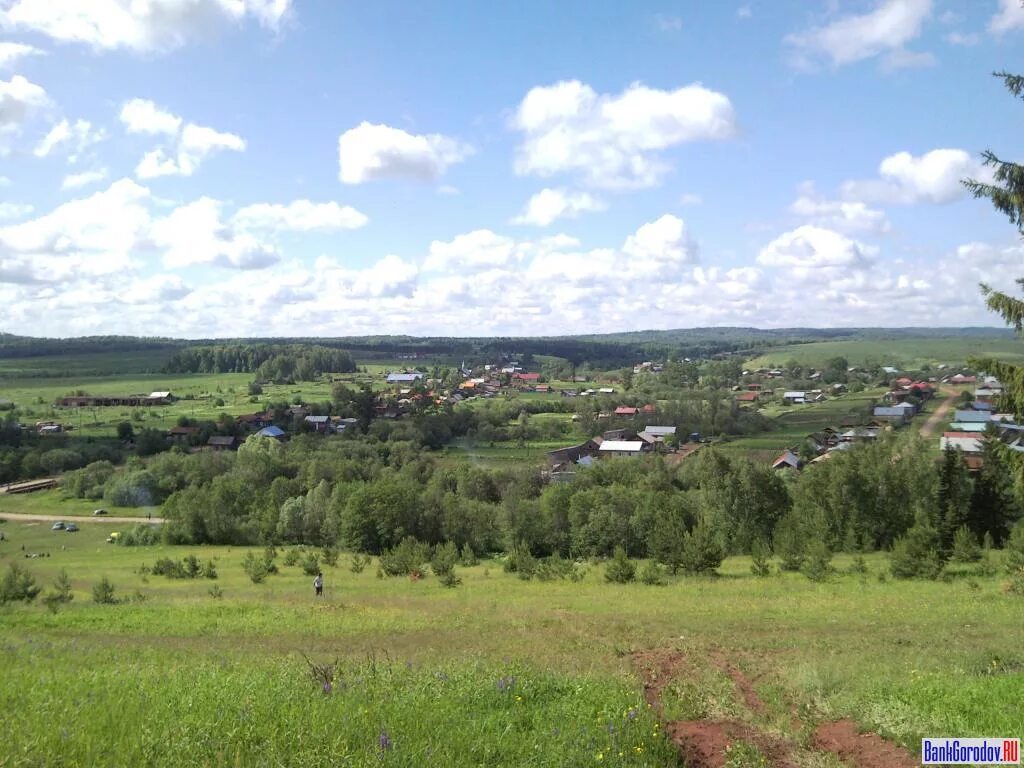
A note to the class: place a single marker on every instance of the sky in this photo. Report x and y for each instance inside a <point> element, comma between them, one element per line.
<point>227,168</point>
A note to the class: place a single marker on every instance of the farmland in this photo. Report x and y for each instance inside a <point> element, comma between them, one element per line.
<point>424,665</point>
<point>903,353</point>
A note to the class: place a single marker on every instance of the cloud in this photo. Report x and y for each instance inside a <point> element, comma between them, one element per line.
<point>963,39</point>
<point>156,288</point>
<point>188,147</point>
<point>809,248</point>
<point>668,23</point>
<point>475,250</point>
<point>74,138</point>
<point>370,152</point>
<point>78,180</point>
<point>843,215</point>
<point>143,116</point>
<point>19,100</point>
<point>549,205</point>
<point>744,12</point>
<point>690,198</point>
<point>152,25</point>
<point>11,52</point>
<point>194,234</point>
<point>1009,18</point>
<point>933,177</point>
<point>299,216</point>
<point>612,141</point>
<point>885,30</point>
<point>14,210</point>
<point>660,248</point>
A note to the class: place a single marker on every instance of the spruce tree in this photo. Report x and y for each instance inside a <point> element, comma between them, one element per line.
<point>954,497</point>
<point>993,506</point>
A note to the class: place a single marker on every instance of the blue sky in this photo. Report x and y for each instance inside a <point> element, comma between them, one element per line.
<point>281,167</point>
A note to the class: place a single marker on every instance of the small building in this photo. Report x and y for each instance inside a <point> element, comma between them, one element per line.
<point>623,448</point>
<point>527,377</point>
<point>896,415</point>
<point>655,434</point>
<point>787,460</point>
<point>223,443</point>
<point>404,378</point>
<point>182,435</point>
<point>626,410</point>
<point>321,424</point>
<point>960,378</point>
<point>747,397</point>
<point>794,397</point>
<point>968,442</point>
<point>972,416</point>
<point>274,432</point>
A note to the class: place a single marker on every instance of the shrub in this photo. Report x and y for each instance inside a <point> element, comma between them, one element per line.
<point>407,558</point>
<point>445,557</point>
<point>652,574</point>
<point>760,555</point>
<point>329,556</point>
<point>554,567</point>
<point>468,557</point>
<point>620,569</point>
<point>191,566</point>
<point>291,557</point>
<point>701,552</point>
<point>310,564</point>
<point>450,579</point>
<point>916,555</point>
<point>255,567</point>
<point>216,592</point>
<point>818,565</point>
<point>965,546</point>
<point>789,544</point>
<point>103,592</point>
<point>172,569</point>
<point>1015,549</point>
<point>140,535</point>
<point>521,562</point>
<point>359,562</point>
<point>18,585</point>
<point>1015,586</point>
<point>859,565</point>
<point>209,570</point>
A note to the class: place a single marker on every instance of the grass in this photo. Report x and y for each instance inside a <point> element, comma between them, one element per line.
<point>908,354</point>
<point>134,683</point>
<point>53,503</point>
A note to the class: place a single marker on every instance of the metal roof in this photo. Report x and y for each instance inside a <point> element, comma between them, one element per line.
<point>632,446</point>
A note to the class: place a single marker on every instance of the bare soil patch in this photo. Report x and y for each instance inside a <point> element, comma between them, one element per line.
<point>863,750</point>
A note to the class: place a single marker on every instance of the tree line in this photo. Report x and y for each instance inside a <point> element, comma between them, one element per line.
<point>270,362</point>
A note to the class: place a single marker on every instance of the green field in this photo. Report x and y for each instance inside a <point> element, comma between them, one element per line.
<point>175,676</point>
<point>909,354</point>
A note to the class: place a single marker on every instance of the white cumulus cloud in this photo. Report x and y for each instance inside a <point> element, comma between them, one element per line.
<point>1009,18</point>
<point>300,216</point>
<point>195,234</point>
<point>14,210</point>
<point>371,151</point>
<point>73,138</point>
<point>813,248</point>
<point>137,25</point>
<point>19,100</point>
<point>549,205</point>
<point>883,31</point>
<point>843,215</point>
<point>11,52</point>
<point>79,180</point>
<point>934,177</point>
<point>143,116</point>
<point>613,141</point>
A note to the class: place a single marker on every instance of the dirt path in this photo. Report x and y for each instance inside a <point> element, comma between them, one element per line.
<point>939,416</point>
<point>17,517</point>
<point>706,743</point>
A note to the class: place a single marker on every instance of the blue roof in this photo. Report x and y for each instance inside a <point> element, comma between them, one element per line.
<point>271,432</point>
<point>970,415</point>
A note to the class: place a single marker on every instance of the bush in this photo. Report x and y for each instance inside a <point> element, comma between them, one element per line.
<point>965,546</point>
<point>359,562</point>
<point>209,570</point>
<point>255,567</point>
<point>406,559</point>
<point>620,569</point>
<point>916,555</point>
<point>760,555</point>
<point>1015,586</point>
<point>521,562</point>
<point>859,565</point>
<point>192,566</point>
<point>468,557</point>
<point>445,557</point>
<point>103,592</point>
<point>652,574</point>
<point>216,592</point>
<point>18,585</point>
<point>172,569</point>
<point>329,556</point>
<point>701,553</point>
<point>1015,549</point>
<point>140,535</point>
<point>554,567</point>
<point>450,579</point>
<point>291,557</point>
<point>310,564</point>
<point>789,544</point>
<point>818,565</point>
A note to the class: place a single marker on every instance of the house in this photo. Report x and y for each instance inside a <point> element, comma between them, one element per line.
<point>574,454</point>
<point>972,416</point>
<point>542,388</point>
<point>606,390</point>
<point>890,370</point>
<point>962,379</point>
<point>161,397</point>
<point>747,397</point>
<point>787,460</point>
<point>321,424</point>
<point>657,434</point>
<point>255,420</point>
<point>527,377</point>
<point>182,434</point>
<point>623,448</point>
<point>893,414</point>
<point>341,424</point>
<point>619,434</point>
<point>274,432</point>
<point>223,443</point>
<point>968,442</point>
<point>404,378</point>
<point>794,398</point>
<point>753,387</point>
<point>626,410</point>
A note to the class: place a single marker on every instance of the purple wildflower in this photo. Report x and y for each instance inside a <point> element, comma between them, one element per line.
<point>327,687</point>
<point>631,714</point>
<point>384,741</point>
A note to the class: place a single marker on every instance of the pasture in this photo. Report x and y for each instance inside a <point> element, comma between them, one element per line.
<point>496,671</point>
<point>904,353</point>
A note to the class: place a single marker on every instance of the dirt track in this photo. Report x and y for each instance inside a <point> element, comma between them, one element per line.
<point>939,416</point>
<point>17,517</point>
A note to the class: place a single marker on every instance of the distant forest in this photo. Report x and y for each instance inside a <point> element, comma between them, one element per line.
<point>602,350</point>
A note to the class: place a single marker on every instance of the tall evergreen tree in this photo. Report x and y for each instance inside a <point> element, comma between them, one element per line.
<point>954,497</point>
<point>993,506</point>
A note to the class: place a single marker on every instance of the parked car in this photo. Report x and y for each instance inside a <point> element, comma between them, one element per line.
<point>71,528</point>
<point>98,512</point>
<point>58,526</point>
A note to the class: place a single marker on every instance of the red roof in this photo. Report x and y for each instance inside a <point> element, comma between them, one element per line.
<point>747,397</point>
<point>625,410</point>
<point>649,408</point>
<point>526,376</point>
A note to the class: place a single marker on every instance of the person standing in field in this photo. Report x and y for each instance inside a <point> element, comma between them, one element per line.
<point>318,584</point>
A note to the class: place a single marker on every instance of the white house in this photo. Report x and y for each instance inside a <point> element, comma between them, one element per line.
<point>795,398</point>
<point>657,434</point>
<point>404,378</point>
<point>622,448</point>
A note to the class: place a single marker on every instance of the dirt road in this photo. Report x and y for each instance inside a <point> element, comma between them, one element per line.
<point>939,416</point>
<point>15,517</point>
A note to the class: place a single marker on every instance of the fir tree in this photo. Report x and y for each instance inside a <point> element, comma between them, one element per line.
<point>993,507</point>
<point>954,497</point>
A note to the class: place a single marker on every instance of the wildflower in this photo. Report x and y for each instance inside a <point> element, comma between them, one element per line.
<point>519,698</point>
<point>327,687</point>
<point>631,713</point>
<point>599,756</point>
<point>384,741</point>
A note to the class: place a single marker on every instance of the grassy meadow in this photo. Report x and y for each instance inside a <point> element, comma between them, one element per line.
<point>496,671</point>
<point>908,353</point>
